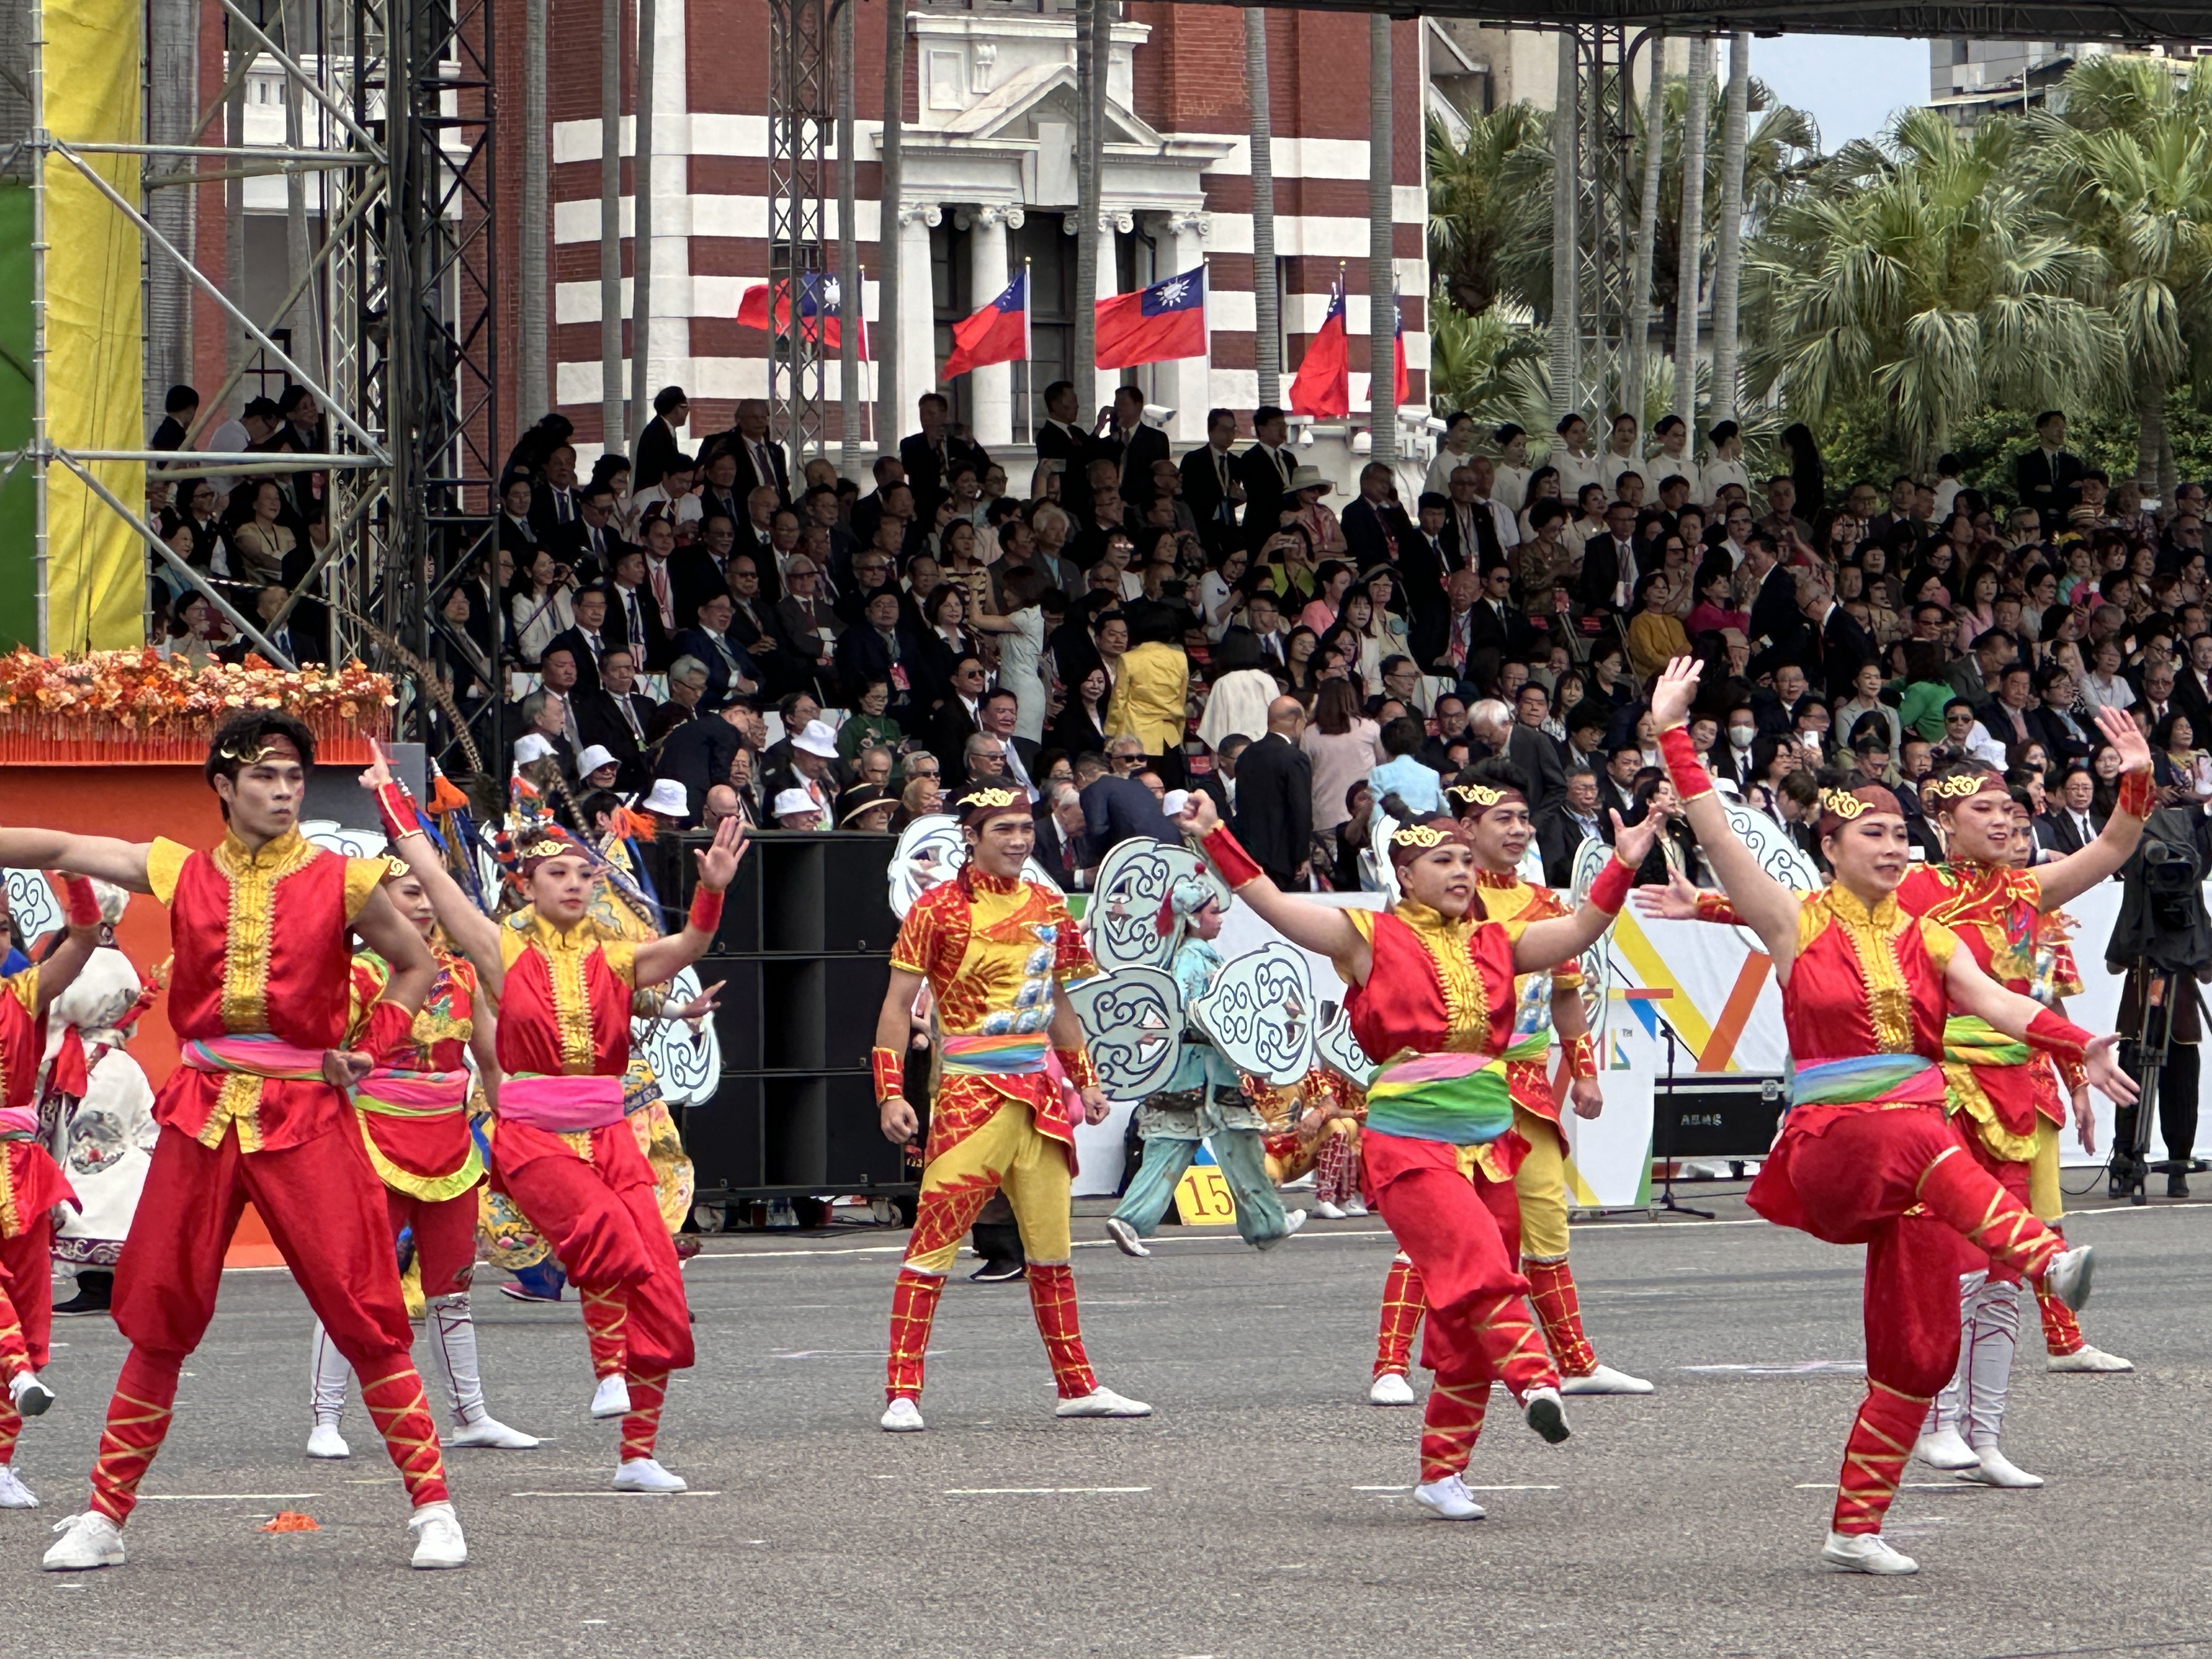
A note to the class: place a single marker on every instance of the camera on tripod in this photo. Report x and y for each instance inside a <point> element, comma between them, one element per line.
<point>2162,940</point>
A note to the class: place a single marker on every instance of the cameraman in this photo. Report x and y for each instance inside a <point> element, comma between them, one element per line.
<point>2176,1083</point>
<point>2163,939</point>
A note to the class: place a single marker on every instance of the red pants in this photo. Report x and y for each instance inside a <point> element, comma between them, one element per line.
<point>326,1212</point>
<point>445,1236</point>
<point>604,1224</point>
<point>27,1294</point>
<point>2012,1175</point>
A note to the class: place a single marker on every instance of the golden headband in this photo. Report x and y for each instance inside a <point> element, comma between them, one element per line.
<point>1422,836</point>
<point>231,751</point>
<point>1476,794</point>
<point>1845,805</point>
<point>1960,785</point>
<point>551,848</point>
<point>993,800</point>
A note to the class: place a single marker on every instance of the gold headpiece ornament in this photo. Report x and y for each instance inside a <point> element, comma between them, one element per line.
<point>1476,794</point>
<point>232,751</point>
<point>1845,805</point>
<point>551,848</point>
<point>1423,835</point>
<point>1960,785</point>
<point>991,798</point>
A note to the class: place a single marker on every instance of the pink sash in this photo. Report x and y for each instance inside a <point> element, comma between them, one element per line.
<point>18,1121</point>
<point>257,1054</point>
<point>561,1105</point>
<point>413,1094</point>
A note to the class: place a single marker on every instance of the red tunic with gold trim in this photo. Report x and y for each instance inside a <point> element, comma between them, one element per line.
<point>2053,1078</point>
<point>31,1183</point>
<point>1995,912</point>
<point>990,958</point>
<point>1507,898</point>
<point>564,1011</point>
<point>261,951</point>
<point>429,1155</point>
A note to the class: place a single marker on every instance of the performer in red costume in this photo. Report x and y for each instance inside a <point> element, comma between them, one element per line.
<point>1431,994</point>
<point>1493,805</point>
<point>31,1183</point>
<point>992,947</point>
<point>256,1111</point>
<point>563,1151</point>
<point>1865,1155</point>
<point>414,1115</point>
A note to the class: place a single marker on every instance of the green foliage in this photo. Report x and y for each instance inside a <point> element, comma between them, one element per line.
<point>1490,209</point>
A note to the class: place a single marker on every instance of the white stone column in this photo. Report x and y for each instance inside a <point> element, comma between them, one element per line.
<point>1111,221</point>
<point>917,317</point>
<point>1184,384</point>
<point>992,387</point>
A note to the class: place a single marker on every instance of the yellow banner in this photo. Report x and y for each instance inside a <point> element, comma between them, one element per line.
<point>96,581</point>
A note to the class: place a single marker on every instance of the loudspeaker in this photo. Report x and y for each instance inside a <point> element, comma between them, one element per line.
<point>804,950</point>
<point>1729,1116</point>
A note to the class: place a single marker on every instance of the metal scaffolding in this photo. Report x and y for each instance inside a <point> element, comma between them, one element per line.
<point>396,289</point>
<point>801,110</point>
<point>1606,209</point>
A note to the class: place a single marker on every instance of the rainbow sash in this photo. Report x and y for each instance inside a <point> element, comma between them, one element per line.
<point>1869,1080</point>
<point>412,1094</point>
<point>1970,1040</point>
<point>257,1054</point>
<point>976,1055</point>
<point>561,1105</point>
<point>1529,1047</point>
<point>1462,1100</point>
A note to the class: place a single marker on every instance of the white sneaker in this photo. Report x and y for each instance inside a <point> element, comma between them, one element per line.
<point>488,1431</point>
<point>1292,1220</point>
<point>645,1474</point>
<point>1945,1448</point>
<point>324,1440</point>
<point>2068,1277</point>
<point>611,1397</point>
<point>1102,1402</point>
<point>2085,1358</point>
<point>1544,1413</point>
<point>1125,1238</point>
<point>1390,1388</point>
<point>13,1494</point>
<point>1355,1206</point>
<point>32,1397</point>
<point>1327,1211</point>
<point>87,1541</point>
<point>438,1540</point>
<point>1604,1379</point>
<point>1865,1551</point>
<point>902,1416</point>
<point>1993,1468</point>
<point>1448,1499</point>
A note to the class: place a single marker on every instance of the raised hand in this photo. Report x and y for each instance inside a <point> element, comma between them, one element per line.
<point>2120,732</point>
<point>378,772</point>
<point>1676,902</point>
<point>1199,816</point>
<point>1674,691</point>
<point>1632,841</point>
<point>718,864</point>
<point>699,1007</point>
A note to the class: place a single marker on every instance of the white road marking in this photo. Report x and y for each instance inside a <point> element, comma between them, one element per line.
<point>1790,1368</point>
<point>1470,1489</point>
<point>694,1493</point>
<point>225,1497</point>
<point>1033,1491</point>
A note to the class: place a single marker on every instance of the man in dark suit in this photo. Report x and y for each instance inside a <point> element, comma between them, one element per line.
<point>721,491</point>
<point>1844,646</point>
<point>1265,470</point>
<point>730,667</point>
<point>589,543</point>
<point>2193,682</point>
<point>1220,784</point>
<point>1374,525</point>
<point>1609,562</point>
<point>556,502</point>
<point>1273,819</point>
<point>1210,487</point>
<point>617,718</point>
<point>2049,475</point>
<point>1060,438</point>
<point>1616,785</point>
<point>588,642</point>
<point>889,474</point>
<point>1499,629</point>
<point>1115,810</point>
<point>2072,822</point>
<point>928,455</point>
<point>998,712</point>
<point>760,459</point>
<point>633,616</point>
<point>1131,446</point>
<point>1774,615</point>
<point>1567,823</point>
<point>959,719</point>
<point>698,753</point>
<point>1531,750</point>
<point>1777,710</point>
<point>2066,737</point>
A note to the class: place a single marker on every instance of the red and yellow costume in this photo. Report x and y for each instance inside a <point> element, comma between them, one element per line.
<point>258,993</point>
<point>2056,1079</point>
<point>1532,1158</point>
<point>1442,991</point>
<point>991,951</point>
<point>564,1154</point>
<point>31,1184</point>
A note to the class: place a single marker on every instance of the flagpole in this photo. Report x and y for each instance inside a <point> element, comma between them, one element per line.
<point>1029,353</point>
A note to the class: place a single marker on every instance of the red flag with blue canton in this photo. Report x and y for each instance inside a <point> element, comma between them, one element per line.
<point>1323,385</point>
<point>821,311</point>
<point>998,333</point>
<point>1155,325</point>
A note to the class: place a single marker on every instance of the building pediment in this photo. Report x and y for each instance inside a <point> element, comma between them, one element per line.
<point>1042,93</point>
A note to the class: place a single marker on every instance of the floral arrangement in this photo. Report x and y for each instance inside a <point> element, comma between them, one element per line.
<point>109,706</point>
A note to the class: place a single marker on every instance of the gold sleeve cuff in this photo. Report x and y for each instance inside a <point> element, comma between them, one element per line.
<point>164,861</point>
<point>362,877</point>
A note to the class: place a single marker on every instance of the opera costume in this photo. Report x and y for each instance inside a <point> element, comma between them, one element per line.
<point>413,1111</point>
<point>1866,1155</point>
<point>1438,1005</point>
<point>1204,1102</point>
<point>1533,1159</point>
<point>991,951</point>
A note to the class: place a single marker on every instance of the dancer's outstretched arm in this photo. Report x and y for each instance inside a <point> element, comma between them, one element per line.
<point>1764,904</point>
<point>1973,992</point>
<point>1320,928</point>
<point>1545,944</point>
<point>122,862</point>
<point>664,958</point>
<point>474,934</point>
<point>2078,872</point>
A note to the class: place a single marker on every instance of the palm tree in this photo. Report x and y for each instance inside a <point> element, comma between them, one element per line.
<point>1267,325</point>
<point>1921,268</point>
<point>531,316</point>
<point>1490,363</point>
<point>2127,161</point>
<point>1692,214</point>
<point>1647,230</point>
<point>1728,255</point>
<point>1490,202</point>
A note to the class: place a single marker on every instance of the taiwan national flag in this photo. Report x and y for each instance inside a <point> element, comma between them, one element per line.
<point>1323,385</point>
<point>1156,325</point>
<point>998,333</point>
<point>821,311</point>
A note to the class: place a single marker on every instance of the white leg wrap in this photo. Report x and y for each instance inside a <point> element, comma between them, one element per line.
<point>1996,1336</point>
<point>326,1380</point>
<point>453,1340</point>
<point>1948,1408</point>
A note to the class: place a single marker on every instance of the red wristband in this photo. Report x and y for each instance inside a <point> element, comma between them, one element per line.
<point>1715,906</point>
<point>82,903</point>
<point>2138,794</point>
<point>890,1068</point>
<point>1582,1056</point>
<point>706,909</point>
<point>395,808</point>
<point>1076,1062</point>
<point>2072,1072</point>
<point>2057,1036</point>
<point>1234,865</point>
<point>1689,778</point>
<point>389,1034</point>
<point>1610,890</point>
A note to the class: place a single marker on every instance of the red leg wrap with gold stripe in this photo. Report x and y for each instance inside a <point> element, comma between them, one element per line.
<point>1508,1338</point>
<point>642,1427</point>
<point>11,1425</point>
<point>913,1306</point>
<point>1965,1196</point>
<point>1449,1426</point>
<point>1558,1308</point>
<point>1051,1299</point>
<point>606,1322</point>
<point>15,1350</point>
<point>137,1419</point>
<point>1875,1457</point>
<point>1402,1308</point>
<point>402,1416</point>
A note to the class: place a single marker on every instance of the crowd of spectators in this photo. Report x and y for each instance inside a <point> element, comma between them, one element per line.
<point>719,631</point>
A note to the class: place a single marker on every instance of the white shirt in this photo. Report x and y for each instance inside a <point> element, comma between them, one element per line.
<point>1575,471</point>
<point>1659,466</point>
<point>1716,474</point>
<point>687,508</point>
<point>1438,481</point>
<point>231,438</point>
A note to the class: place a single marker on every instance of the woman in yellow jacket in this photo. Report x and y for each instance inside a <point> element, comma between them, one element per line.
<point>1151,698</point>
<point>1655,633</point>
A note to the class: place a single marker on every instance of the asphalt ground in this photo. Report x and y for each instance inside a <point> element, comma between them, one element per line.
<point>1263,1513</point>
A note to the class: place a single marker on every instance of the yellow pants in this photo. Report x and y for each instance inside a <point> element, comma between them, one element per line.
<point>2044,1196</point>
<point>1005,1153</point>
<point>1540,1184</point>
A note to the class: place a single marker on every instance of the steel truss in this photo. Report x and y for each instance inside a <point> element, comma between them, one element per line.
<point>802,108</point>
<point>1607,206</point>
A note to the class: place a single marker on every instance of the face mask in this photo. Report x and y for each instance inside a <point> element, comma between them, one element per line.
<point>1740,737</point>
